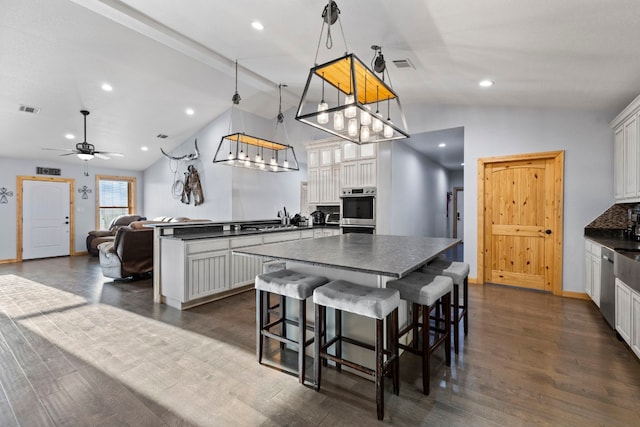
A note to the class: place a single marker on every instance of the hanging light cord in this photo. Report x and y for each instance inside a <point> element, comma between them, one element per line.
<point>329,42</point>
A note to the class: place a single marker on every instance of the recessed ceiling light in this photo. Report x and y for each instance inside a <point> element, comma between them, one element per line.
<point>106,87</point>
<point>257,25</point>
<point>190,111</point>
<point>70,136</point>
<point>442,145</point>
<point>144,148</point>
<point>486,83</point>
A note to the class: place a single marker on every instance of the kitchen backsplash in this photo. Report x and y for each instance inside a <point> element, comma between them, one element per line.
<point>616,217</point>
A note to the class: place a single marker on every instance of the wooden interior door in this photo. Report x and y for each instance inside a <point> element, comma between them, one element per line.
<point>522,199</point>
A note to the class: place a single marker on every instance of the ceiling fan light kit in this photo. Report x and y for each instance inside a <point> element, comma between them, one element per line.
<point>370,105</point>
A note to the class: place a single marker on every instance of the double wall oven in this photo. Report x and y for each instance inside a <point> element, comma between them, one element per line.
<point>358,210</point>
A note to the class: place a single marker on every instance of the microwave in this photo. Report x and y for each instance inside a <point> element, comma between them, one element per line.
<point>358,206</point>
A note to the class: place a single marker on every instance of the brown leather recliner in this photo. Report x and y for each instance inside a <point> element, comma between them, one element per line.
<point>96,237</point>
<point>130,254</point>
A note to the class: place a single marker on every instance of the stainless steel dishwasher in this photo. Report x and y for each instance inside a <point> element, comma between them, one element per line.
<point>607,287</point>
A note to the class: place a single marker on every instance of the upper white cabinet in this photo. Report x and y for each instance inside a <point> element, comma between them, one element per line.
<point>333,165</point>
<point>626,156</point>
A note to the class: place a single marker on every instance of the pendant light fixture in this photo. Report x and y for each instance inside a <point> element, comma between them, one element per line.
<point>361,88</point>
<point>246,151</point>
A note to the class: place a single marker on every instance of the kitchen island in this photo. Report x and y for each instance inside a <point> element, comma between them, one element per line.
<point>366,259</point>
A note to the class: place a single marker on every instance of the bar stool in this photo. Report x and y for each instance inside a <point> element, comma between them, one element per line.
<point>459,273</point>
<point>423,291</point>
<point>287,284</point>
<point>375,303</point>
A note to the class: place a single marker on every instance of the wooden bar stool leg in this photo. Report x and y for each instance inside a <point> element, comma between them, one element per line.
<point>338,329</point>
<point>318,343</point>
<point>259,323</point>
<point>396,354</point>
<point>447,327</point>
<point>283,316</point>
<point>416,320</point>
<point>465,302</point>
<point>456,318</point>
<point>426,364</point>
<point>302,328</point>
<point>379,344</point>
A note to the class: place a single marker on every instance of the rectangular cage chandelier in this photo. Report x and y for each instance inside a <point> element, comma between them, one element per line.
<point>355,104</point>
<point>255,153</point>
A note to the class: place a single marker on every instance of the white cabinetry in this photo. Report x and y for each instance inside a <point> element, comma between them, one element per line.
<point>627,153</point>
<point>324,173</point>
<point>623,310</point>
<point>592,260</point>
<point>359,165</point>
<point>325,232</point>
<point>244,269</point>
<point>635,322</point>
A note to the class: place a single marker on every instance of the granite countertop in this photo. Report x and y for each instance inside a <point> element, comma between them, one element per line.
<point>230,233</point>
<point>611,238</point>
<point>393,256</point>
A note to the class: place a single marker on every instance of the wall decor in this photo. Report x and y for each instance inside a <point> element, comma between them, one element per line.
<point>192,185</point>
<point>85,191</point>
<point>48,171</point>
<point>187,157</point>
<point>4,193</point>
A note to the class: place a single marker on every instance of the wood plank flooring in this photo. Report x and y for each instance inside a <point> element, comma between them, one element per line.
<point>77,349</point>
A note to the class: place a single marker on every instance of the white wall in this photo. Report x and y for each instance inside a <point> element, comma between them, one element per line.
<point>418,194</point>
<point>492,131</point>
<point>230,193</point>
<point>84,208</point>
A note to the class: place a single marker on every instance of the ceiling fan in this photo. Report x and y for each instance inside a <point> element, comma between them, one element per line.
<point>84,150</point>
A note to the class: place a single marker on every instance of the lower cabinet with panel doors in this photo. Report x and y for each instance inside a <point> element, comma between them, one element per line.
<point>593,264</point>
<point>628,315</point>
<point>198,271</point>
<point>325,232</point>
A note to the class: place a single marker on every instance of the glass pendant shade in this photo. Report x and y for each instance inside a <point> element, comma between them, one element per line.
<point>230,158</point>
<point>285,164</point>
<point>349,112</point>
<point>388,131</point>
<point>365,118</point>
<point>364,133</point>
<point>338,120</point>
<point>258,158</point>
<point>376,125</point>
<point>353,127</point>
<point>323,117</point>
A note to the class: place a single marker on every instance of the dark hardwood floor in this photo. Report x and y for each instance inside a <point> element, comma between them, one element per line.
<point>77,349</point>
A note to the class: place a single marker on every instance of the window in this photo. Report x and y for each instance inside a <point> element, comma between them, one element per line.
<point>116,196</point>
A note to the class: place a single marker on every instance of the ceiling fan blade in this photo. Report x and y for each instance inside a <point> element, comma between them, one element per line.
<point>58,149</point>
<point>69,154</point>
<point>109,153</point>
<point>101,156</point>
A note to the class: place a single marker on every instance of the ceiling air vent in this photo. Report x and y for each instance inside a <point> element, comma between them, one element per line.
<point>403,63</point>
<point>162,136</point>
<point>28,109</point>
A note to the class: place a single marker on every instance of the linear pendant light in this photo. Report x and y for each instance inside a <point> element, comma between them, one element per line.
<point>246,151</point>
<point>359,87</point>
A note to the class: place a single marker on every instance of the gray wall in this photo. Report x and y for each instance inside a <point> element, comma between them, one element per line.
<point>231,193</point>
<point>490,131</point>
<point>84,208</point>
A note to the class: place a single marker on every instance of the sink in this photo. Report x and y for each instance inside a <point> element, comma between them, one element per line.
<point>626,266</point>
<point>634,254</point>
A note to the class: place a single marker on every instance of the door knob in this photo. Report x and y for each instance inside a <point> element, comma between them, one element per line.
<point>547,231</point>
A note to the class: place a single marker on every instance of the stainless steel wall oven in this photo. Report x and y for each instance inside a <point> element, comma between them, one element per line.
<point>358,207</point>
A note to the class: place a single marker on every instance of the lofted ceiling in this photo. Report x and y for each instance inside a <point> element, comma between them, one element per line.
<point>162,57</point>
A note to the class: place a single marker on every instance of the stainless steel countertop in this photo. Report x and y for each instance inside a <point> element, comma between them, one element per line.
<point>393,256</point>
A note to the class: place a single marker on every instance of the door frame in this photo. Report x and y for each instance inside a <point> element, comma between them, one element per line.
<point>558,157</point>
<point>456,190</point>
<point>19,201</point>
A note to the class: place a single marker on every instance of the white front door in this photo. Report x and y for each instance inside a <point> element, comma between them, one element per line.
<point>460,214</point>
<point>45,219</point>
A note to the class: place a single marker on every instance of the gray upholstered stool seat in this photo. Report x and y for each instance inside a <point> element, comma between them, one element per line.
<point>375,303</point>
<point>459,273</point>
<point>289,283</point>
<point>366,301</point>
<point>424,291</point>
<point>286,284</point>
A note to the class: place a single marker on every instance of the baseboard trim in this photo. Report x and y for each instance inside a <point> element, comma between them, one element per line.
<point>80,253</point>
<point>8,261</point>
<point>473,281</point>
<point>576,295</point>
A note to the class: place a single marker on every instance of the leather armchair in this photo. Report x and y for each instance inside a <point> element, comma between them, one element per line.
<point>96,237</point>
<point>130,254</point>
